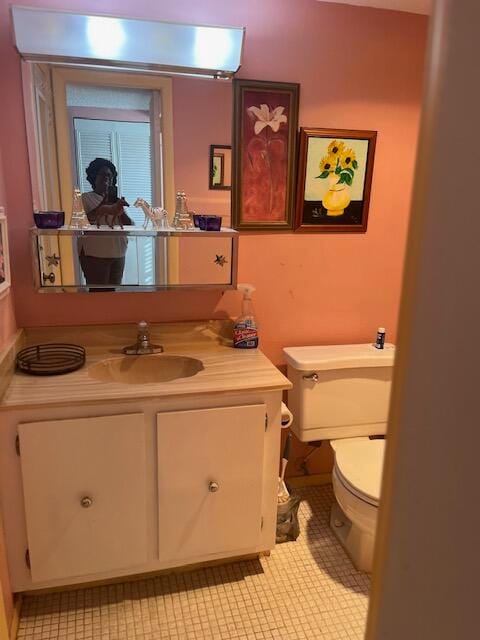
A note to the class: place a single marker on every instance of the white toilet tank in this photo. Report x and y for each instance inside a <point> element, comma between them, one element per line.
<point>339,391</point>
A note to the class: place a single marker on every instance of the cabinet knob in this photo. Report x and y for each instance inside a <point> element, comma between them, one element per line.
<point>213,487</point>
<point>86,502</point>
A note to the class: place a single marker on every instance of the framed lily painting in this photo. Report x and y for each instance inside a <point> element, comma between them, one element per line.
<point>264,142</point>
<point>334,180</point>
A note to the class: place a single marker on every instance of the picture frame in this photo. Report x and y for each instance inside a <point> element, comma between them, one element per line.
<point>335,172</point>
<point>265,122</point>
<point>220,167</point>
<point>5,280</point>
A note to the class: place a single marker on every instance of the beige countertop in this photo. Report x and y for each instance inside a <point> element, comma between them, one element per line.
<point>225,369</point>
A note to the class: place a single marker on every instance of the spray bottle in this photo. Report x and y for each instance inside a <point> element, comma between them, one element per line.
<point>245,332</point>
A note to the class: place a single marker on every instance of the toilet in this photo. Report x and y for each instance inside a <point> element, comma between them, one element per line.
<point>341,393</point>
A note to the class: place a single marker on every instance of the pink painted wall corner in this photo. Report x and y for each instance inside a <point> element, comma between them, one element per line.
<point>358,68</point>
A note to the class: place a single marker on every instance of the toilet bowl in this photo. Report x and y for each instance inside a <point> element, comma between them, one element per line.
<point>341,393</point>
<point>356,479</point>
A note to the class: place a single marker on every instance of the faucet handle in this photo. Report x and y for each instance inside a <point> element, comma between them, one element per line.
<point>142,325</point>
<point>142,346</point>
<point>143,335</point>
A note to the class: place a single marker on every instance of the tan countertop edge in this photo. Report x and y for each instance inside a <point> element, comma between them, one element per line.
<point>147,397</point>
<point>7,359</point>
<point>227,370</point>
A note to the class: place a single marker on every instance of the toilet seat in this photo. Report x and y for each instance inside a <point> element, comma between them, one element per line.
<point>359,465</point>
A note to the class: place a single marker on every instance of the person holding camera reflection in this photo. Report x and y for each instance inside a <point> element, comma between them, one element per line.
<point>103,258</point>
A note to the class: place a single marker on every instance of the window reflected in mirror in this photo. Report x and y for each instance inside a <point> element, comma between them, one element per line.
<point>114,124</point>
<point>156,130</point>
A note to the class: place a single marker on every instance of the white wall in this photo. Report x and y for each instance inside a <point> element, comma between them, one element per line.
<point>426,586</point>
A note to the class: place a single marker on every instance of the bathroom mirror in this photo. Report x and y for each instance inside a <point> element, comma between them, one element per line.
<point>133,260</point>
<point>155,130</point>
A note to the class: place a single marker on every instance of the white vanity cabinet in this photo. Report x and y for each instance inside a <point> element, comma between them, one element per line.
<point>84,484</point>
<point>210,471</point>
<point>98,491</point>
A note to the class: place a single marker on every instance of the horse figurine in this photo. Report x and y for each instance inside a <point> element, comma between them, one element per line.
<point>111,213</point>
<point>156,215</point>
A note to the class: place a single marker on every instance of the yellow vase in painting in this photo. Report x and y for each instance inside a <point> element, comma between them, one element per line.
<point>338,196</point>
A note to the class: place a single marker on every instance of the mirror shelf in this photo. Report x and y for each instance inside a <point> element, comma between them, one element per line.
<point>133,259</point>
<point>103,231</point>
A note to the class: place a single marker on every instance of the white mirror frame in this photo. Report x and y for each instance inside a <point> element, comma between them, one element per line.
<point>5,285</point>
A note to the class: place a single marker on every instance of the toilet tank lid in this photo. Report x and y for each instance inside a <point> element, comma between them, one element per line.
<point>339,356</point>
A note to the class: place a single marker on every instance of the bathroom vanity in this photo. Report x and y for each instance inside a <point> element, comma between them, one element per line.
<point>123,468</point>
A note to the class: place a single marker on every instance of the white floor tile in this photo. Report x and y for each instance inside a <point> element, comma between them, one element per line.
<point>306,590</point>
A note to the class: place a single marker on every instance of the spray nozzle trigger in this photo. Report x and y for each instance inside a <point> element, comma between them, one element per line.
<point>247,289</point>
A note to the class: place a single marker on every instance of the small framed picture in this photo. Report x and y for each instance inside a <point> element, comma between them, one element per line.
<point>220,167</point>
<point>334,180</point>
<point>4,255</point>
<point>265,121</point>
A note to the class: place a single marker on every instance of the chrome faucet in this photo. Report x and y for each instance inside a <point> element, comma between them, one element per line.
<point>142,346</point>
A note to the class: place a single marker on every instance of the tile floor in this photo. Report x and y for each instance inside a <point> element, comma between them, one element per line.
<point>306,590</point>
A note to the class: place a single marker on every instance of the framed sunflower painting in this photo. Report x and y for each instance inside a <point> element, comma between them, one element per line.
<point>264,142</point>
<point>334,180</point>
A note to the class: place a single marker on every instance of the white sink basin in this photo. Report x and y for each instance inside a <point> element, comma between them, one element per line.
<point>145,369</point>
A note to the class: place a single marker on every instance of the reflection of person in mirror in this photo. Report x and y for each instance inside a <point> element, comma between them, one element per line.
<point>102,204</point>
<point>103,258</point>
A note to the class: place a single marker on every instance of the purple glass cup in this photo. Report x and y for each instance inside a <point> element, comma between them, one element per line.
<point>49,219</point>
<point>212,223</point>
<point>207,222</point>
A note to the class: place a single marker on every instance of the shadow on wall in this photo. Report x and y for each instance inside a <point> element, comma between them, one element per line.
<point>307,459</point>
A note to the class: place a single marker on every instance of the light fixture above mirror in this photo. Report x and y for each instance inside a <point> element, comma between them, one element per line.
<point>128,43</point>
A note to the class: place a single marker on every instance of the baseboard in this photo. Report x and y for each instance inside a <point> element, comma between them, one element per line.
<point>313,480</point>
<point>17,608</point>
<point>149,574</point>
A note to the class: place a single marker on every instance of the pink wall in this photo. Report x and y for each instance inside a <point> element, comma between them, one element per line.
<point>7,329</point>
<point>358,68</point>
<point>202,115</point>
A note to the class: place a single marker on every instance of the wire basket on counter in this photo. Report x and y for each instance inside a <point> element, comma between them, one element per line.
<point>50,359</point>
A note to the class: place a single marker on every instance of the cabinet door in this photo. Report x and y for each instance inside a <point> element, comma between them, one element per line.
<point>85,494</point>
<point>210,471</point>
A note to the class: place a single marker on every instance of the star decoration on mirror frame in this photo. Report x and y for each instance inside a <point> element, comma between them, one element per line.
<point>53,261</point>
<point>220,260</point>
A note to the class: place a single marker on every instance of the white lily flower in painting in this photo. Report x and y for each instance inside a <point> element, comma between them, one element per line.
<point>267,118</point>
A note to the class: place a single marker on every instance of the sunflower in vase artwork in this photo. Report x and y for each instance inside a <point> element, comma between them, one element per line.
<point>338,167</point>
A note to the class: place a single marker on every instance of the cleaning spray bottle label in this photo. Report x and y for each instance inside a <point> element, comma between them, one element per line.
<point>245,334</point>
<point>245,330</point>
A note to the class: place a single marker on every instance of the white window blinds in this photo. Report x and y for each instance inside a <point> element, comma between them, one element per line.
<point>128,146</point>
